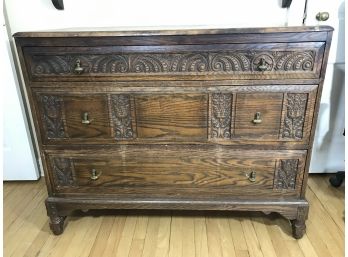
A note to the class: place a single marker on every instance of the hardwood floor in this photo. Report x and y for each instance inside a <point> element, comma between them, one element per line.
<point>172,234</point>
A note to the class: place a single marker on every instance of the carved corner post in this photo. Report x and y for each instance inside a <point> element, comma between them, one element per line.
<point>298,224</point>
<point>56,220</point>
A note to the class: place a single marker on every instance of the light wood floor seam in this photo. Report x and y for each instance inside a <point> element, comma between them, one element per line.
<point>172,233</point>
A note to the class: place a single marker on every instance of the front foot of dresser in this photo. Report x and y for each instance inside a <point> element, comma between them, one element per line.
<point>299,224</point>
<point>57,224</point>
<point>56,219</point>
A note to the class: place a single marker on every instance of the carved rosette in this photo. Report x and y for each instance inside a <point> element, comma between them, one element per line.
<point>295,116</point>
<point>63,172</point>
<point>122,117</point>
<point>285,177</point>
<point>221,109</point>
<point>52,116</point>
<point>213,62</point>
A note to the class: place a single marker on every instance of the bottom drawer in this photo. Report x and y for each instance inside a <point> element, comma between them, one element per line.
<point>177,171</point>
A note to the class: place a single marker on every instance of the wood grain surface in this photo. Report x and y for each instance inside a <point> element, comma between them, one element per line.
<point>171,124</point>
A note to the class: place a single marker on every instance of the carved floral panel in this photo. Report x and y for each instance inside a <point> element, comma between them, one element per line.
<point>122,116</point>
<point>285,176</point>
<point>237,61</point>
<point>63,172</point>
<point>294,119</point>
<point>221,111</point>
<point>52,116</point>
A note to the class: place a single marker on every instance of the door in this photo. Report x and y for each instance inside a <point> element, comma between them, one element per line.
<point>328,149</point>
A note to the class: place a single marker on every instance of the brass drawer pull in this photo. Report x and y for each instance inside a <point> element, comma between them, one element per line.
<point>251,176</point>
<point>262,65</point>
<point>78,69</point>
<point>85,119</point>
<point>94,175</point>
<point>257,118</point>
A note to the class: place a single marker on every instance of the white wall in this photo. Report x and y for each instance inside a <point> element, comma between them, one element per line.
<point>41,15</point>
<point>19,159</point>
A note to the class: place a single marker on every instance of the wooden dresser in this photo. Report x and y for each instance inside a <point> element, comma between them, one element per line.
<point>212,119</point>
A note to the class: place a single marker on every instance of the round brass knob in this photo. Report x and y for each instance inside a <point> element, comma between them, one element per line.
<point>322,16</point>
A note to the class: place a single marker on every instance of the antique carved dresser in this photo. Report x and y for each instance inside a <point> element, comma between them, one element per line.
<point>208,119</point>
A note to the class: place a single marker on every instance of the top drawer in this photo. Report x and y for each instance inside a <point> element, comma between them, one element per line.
<point>179,62</point>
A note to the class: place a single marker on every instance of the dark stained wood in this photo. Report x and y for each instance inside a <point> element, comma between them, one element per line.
<point>159,170</point>
<point>150,117</point>
<point>172,115</point>
<point>268,105</point>
<point>219,61</point>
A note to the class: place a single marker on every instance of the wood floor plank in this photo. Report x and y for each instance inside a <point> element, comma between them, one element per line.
<point>26,230</point>
<point>238,234</point>
<point>22,203</point>
<point>320,220</point>
<point>227,245</point>
<point>163,236</point>
<point>214,243</point>
<point>83,224</point>
<point>115,235</point>
<point>175,246</point>
<point>264,237</point>
<point>188,237</point>
<point>252,241</point>
<point>201,241</point>
<point>127,236</point>
<point>151,236</point>
<point>101,240</point>
<point>137,246</point>
<point>307,247</point>
<point>90,236</point>
<point>330,197</point>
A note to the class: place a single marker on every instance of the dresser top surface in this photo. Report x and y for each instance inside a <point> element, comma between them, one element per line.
<point>119,32</point>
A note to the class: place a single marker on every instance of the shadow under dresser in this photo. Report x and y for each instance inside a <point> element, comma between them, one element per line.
<point>208,119</point>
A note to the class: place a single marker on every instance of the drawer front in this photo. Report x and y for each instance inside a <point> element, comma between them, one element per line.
<point>196,62</point>
<point>178,171</point>
<point>227,115</point>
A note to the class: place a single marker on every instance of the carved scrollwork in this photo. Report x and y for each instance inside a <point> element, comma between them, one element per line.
<point>122,117</point>
<point>52,116</point>
<point>221,115</point>
<point>137,63</point>
<point>285,177</point>
<point>295,61</point>
<point>295,116</point>
<point>63,172</point>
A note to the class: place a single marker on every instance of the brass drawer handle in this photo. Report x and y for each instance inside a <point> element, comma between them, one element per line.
<point>251,176</point>
<point>262,65</point>
<point>78,69</point>
<point>94,175</point>
<point>85,119</point>
<point>257,118</point>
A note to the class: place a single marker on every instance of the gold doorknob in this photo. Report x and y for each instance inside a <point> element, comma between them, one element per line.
<point>322,16</point>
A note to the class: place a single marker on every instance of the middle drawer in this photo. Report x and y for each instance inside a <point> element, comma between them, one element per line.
<point>227,115</point>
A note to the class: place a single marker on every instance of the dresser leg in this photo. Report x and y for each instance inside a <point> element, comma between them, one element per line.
<point>56,220</point>
<point>299,224</point>
<point>57,224</point>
